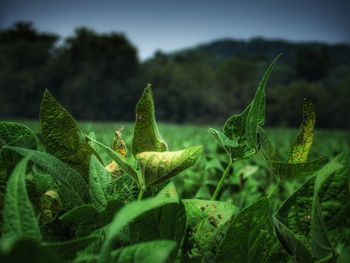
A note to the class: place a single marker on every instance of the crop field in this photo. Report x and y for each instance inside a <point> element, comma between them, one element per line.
<point>327,142</point>
<point>146,192</point>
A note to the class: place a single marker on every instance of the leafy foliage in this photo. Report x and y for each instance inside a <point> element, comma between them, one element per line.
<point>60,203</point>
<point>61,135</point>
<point>250,237</point>
<point>19,218</point>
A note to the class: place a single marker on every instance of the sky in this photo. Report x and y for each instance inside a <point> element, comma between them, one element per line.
<point>170,25</point>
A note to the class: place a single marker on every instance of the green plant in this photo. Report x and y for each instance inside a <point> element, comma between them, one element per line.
<point>70,198</point>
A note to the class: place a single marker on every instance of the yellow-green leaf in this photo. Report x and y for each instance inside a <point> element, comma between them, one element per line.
<point>146,135</point>
<point>303,143</point>
<point>158,167</point>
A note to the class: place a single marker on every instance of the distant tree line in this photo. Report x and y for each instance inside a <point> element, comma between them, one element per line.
<point>99,77</point>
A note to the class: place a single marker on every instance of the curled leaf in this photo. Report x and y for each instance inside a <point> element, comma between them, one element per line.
<point>243,128</point>
<point>158,167</point>
<point>146,135</point>
<point>303,143</point>
<point>118,145</point>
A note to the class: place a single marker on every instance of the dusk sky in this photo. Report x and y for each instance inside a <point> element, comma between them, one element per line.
<point>174,24</point>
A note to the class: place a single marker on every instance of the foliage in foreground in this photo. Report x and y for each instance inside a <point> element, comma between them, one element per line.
<point>61,200</point>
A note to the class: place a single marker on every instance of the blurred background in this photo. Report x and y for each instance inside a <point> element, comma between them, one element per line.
<point>203,58</point>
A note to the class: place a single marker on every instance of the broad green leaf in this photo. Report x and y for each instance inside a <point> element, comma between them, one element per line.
<point>295,212</point>
<point>73,190</point>
<point>126,215</point>
<point>121,161</point>
<point>159,220</point>
<point>332,187</point>
<point>157,251</point>
<point>233,149</point>
<point>146,135</point>
<point>265,146</point>
<point>295,247</point>
<point>10,132</point>
<point>92,135</point>
<point>14,134</point>
<point>242,152</point>
<point>67,250</point>
<point>344,255</point>
<point>25,250</point>
<point>223,140</point>
<point>303,143</point>
<point>158,167</point>
<point>291,171</point>
<point>320,244</point>
<point>318,206</point>
<point>19,220</point>
<point>85,219</point>
<point>235,126</point>
<point>62,136</point>
<point>98,182</point>
<point>148,252</point>
<point>256,113</point>
<point>250,237</point>
<point>207,221</point>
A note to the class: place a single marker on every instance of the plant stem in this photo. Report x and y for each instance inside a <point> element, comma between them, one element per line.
<point>139,197</point>
<point>222,181</point>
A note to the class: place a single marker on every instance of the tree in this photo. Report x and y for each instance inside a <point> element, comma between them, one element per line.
<point>24,54</point>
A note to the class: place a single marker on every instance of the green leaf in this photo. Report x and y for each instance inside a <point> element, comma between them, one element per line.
<point>303,143</point>
<point>320,243</point>
<point>11,132</point>
<point>234,150</point>
<point>223,140</point>
<point>147,252</point>
<point>121,161</point>
<point>256,113</point>
<point>85,219</point>
<point>207,221</point>
<point>62,137</point>
<point>291,171</point>
<point>292,243</point>
<point>67,250</point>
<point>73,191</point>
<point>265,146</point>
<point>250,237</point>
<point>98,182</point>
<point>243,127</point>
<point>235,126</point>
<point>18,215</point>
<point>25,250</point>
<point>126,215</point>
<point>159,220</point>
<point>146,135</point>
<point>319,205</point>
<point>82,219</point>
<point>332,187</point>
<point>295,212</point>
<point>158,167</point>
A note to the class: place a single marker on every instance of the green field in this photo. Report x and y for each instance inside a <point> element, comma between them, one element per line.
<point>208,170</point>
<point>93,192</point>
